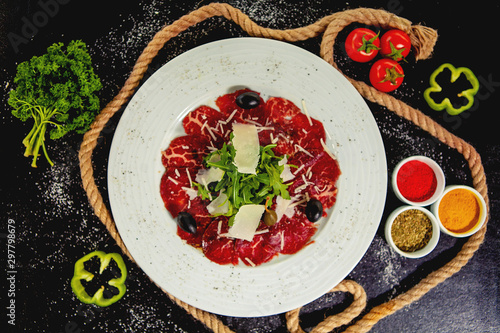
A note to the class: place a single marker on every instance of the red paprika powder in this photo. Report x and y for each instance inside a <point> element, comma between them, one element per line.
<point>416,181</point>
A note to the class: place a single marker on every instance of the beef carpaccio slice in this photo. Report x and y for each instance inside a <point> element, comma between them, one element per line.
<point>294,127</point>
<point>280,122</point>
<point>227,105</point>
<point>207,122</point>
<point>317,176</point>
<point>291,234</point>
<point>216,246</point>
<point>186,151</point>
<point>259,250</point>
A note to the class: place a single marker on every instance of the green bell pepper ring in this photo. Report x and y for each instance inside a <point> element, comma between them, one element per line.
<point>446,103</point>
<point>82,274</point>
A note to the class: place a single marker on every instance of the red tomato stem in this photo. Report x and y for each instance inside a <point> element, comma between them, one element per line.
<point>391,74</point>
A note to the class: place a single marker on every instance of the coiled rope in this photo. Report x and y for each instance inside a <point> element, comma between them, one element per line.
<point>423,41</point>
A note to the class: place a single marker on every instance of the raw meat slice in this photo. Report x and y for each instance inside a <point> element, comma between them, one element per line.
<point>174,183</point>
<point>281,110</point>
<point>186,151</point>
<point>227,104</point>
<point>317,176</point>
<point>218,248</point>
<point>205,121</point>
<point>202,221</point>
<point>257,251</point>
<point>294,125</point>
<point>290,235</point>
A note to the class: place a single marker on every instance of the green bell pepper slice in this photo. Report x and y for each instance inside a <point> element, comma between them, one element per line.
<point>446,103</point>
<point>82,274</point>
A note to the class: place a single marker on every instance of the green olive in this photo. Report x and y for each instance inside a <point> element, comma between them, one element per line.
<point>270,218</point>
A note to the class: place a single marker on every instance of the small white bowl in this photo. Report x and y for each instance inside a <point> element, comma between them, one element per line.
<point>482,213</point>
<point>427,248</point>
<point>439,178</point>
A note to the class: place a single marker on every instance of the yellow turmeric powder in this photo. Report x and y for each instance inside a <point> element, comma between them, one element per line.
<point>459,210</point>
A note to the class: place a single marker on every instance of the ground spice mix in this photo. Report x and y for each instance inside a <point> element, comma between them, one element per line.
<point>411,230</point>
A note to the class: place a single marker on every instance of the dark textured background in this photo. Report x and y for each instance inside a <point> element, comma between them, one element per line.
<point>54,224</point>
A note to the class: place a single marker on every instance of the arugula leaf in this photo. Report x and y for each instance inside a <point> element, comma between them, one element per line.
<point>202,191</point>
<point>244,189</point>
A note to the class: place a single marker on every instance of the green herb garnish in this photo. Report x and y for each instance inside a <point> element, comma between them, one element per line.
<point>243,189</point>
<point>55,89</point>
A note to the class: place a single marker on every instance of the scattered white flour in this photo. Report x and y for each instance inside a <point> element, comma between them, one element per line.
<point>121,47</point>
<point>144,318</point>
<point>57,182</point>
<point>57,191</point>
<point>380,261</point>
<point>391,264</point>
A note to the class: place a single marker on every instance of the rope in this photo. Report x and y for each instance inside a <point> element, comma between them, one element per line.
<point>423,40</point>
<point>331,322</point>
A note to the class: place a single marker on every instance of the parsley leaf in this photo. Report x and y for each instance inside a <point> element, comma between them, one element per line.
<point>56,89</point>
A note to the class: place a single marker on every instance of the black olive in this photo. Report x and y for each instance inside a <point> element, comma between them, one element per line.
<point>187,222</point>
<point>314,210</point>
<point>270,218</point>
<point>248,100</point>
<point>211,186</point>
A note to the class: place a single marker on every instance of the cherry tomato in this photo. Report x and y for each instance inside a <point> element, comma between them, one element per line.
<point>395,44</point>
<point>362,45</point>
<point>386,75</point>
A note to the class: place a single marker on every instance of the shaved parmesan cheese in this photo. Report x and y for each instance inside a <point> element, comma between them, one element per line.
<point>299,169</point>
<point>286,174</point>
<point>250,262</point>
<point>206,176</point>
<point>211,133</point>
<point>296,203</point>
<point>265,128</point>
<point>303,150</point>
<point>246,222</point>
<point>250,121</point>
<point>229,118</point>
<point>191,192</point>
<point>173,180</point>
<point>306,112</point>
<point>283,208</point>
<point>327,150</point>
<point>209,129</point>
<point>219,206</point>
<point>246,144</point>
<point>189,177</point>
<point>214,158</point>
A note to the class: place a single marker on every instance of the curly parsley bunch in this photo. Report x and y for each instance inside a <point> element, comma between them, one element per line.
<point>56,89</point>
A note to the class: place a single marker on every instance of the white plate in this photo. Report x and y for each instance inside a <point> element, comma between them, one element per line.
<point>153,118</point>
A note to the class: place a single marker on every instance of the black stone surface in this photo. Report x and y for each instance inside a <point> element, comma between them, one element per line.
<point>55,225</point>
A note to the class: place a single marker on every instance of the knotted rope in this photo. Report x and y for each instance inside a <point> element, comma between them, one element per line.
<point>331,322</point>
<point>423,40</point>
